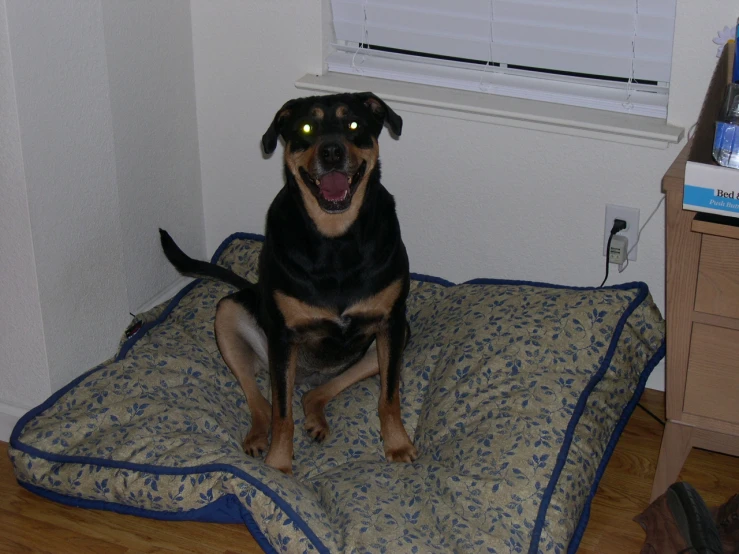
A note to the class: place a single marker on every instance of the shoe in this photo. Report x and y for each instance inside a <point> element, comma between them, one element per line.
<point>726,517</point>
<point>694,519</point>
<point>679,522</point>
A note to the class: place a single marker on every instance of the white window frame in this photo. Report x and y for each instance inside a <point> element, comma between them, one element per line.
<point>503,96</point>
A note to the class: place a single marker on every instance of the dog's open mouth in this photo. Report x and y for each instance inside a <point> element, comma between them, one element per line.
<point>334,190</point>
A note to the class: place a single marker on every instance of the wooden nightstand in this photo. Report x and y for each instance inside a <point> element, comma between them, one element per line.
<point>702,362</point>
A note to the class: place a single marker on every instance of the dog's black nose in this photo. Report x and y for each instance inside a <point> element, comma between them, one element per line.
<point>332,153</point>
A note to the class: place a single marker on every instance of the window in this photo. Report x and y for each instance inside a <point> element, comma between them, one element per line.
<point>610,55</point>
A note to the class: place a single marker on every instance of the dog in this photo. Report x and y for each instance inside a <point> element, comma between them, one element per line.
<point>329,306</point>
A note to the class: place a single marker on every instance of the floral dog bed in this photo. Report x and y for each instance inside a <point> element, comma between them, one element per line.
<point>515,394</point>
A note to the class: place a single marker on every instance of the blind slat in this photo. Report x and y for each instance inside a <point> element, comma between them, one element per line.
<point>616,39</point>
<point>662,8</point>
<point>549,54</point>
<point>510,32</point>
<point>557,92</point>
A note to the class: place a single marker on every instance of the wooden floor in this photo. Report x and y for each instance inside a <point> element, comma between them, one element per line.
<point>31,524</point>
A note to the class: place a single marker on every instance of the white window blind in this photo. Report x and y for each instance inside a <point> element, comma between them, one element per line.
<point>604,54</point>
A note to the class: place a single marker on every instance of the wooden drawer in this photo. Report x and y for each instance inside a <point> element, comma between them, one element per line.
<point>712,388</point>
<point>717,291</point>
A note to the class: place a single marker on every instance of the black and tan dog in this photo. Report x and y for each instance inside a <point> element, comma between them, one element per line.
<point>329,307</point>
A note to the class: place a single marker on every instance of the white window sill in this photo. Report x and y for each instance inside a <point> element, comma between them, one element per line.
<point>504,110</point>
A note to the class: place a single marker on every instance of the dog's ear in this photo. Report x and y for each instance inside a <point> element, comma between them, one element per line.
<point>383,112</point>
<point>269,139</point>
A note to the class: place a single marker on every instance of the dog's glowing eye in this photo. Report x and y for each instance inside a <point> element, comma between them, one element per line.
<point>354,125</point>
<point>307,128</point>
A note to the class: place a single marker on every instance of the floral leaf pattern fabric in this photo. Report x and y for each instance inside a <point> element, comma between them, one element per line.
<point>514,393</point>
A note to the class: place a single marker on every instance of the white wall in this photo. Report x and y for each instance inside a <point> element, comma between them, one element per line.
<point>474,199</point>
<point>99,147</point>
<point>247,57</point>
<point>101,138</point>
<point>152,96</point>
<point>24,372</point>
<point>67,143</point>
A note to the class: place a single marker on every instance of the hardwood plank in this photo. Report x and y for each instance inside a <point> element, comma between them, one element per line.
<point>44,537</point>
<point>626,486</point>
<point>32,524</point>
<point>35,524</point>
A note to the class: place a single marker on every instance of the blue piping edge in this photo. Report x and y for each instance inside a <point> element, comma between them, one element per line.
<point>575,419</point>
<point>220,511</point>
<point>253,527</point>
<point>125,348</point>
<point>165,470</point>
<point>615,436</point>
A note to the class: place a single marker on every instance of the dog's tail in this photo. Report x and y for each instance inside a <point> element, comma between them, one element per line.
<point>195,268</point>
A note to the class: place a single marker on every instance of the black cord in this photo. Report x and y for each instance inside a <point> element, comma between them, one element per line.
<point>655,417</point>
<point>618,225</point>
<point>608,255</point>
<point>662,423</point>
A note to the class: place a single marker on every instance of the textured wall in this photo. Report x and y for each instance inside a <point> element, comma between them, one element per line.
<point>98,147</point>
<point>152,96</point>
<point>24,373</point>
<point>474,199</point>
<point>247,57</point>
<point>66,135</point>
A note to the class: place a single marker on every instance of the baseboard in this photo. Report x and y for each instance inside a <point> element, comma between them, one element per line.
<point>9,416</point>
<point>164,295</point>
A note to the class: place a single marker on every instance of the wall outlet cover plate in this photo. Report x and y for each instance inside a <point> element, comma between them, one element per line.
<point>631,217</point>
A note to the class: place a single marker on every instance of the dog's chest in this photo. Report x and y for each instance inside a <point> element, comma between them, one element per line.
<point>329,339</point>
<point>361,317</point>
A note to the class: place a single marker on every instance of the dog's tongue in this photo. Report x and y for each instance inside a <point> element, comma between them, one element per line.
<point>334,186</point>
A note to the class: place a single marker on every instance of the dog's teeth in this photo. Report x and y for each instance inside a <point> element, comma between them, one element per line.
<point>350,180</point>
<point>318,181</point>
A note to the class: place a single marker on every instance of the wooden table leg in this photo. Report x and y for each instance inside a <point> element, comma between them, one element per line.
<point>677,441</point>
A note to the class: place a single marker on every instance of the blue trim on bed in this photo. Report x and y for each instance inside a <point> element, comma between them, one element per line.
<point>623,286</point>
<point>165,470</point>
<point>431,279</point>
<point>162,470</point>
<point>227,242</point>
<point>228,511</point>
<point>222,510</point>
<point>126,346</point>
<point>577,414</point>
<point>615,436</point>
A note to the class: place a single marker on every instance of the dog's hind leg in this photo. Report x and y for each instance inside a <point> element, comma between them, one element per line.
<point>243,345</point>
<point>314,401</point>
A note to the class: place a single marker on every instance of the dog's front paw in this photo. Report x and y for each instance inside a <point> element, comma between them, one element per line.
<point>315,421</point>
<point>317,429</point>
<point>255,443</point>
<point>406,454</point>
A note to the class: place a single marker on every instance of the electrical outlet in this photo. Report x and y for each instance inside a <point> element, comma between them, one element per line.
<point>631,217</point>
